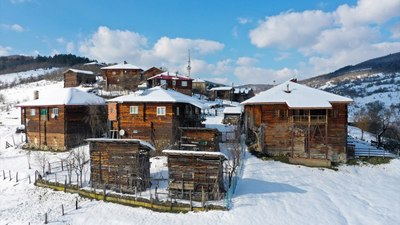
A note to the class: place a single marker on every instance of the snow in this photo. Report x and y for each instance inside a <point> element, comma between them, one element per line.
<point>221,89</point>
<point>297,96</point>
<point>233,110</point>
<point>122,67</point>
<point>194,153</point>
<point>80,71</point>
<point>10,77</point>
<point>268,192</point>
<point>167,76</point>
<point>159,94</point>
<point>144,143</point>
<point>65,96</point>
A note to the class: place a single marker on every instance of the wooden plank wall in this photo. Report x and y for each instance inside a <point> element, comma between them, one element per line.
<point>195,174</point>
<point>119,73</point>
<point>203,139</point>
<point>120,166</point>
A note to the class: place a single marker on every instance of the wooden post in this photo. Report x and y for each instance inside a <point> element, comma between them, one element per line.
<point>104,193</point>
<point>16,177</point>
<point>65,185</point>
<point>45,218</point>
<point>202,197</point>
<point>62,166</point>
<point>4,175</point>
<point>29,178</point>
<point>62,209</point>
<point>190,198</point>
<point>9,173</point>
<point>55,175</point>
<point>49,167</point>
<point>76,204</point>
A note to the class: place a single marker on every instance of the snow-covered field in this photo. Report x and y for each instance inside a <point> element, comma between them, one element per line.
<point>268,192</point>
<point>11,77</point>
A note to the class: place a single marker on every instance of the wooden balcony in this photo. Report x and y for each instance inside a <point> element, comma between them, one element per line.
<point>308,119</point>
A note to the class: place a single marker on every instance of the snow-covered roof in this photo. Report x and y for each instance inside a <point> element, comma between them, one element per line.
<point>122,66</point>
<point>159,94</point>
<point>195,153</point>
<point>80,71</point>
<point>65,96</point>
<point>167,76</point>
<point>199,80</point>
<point>144,143</point>
<point>297,96</point>
<point>233,110</point>
<point>221,89</point>
<point>242,90</point>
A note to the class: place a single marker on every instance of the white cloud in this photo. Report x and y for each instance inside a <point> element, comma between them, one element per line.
<point>246,61</point>
<point>60,40</point>
<point>257,75</point>
<point>322,65</point>
<point>282,56</point>
<point>290,29</point>
<point>5,50</point>
<point>367,12</point>
<point>116,46</point>
<point>19,1</point>
<point>395,31</point>
<point>13,27</point>
<point>243,20</point>
<point>70,47</point>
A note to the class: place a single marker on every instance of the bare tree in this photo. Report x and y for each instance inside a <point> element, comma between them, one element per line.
<point>235,156</point>
<point>361,120</point>
<point>80,159</point>
<point>41,159</point>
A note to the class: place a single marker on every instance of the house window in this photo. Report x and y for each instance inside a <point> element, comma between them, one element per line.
<point>33,112</point>
<point>134,110</point>
<point>276,113</point>
<point>173,82</point>
<point>161,111</point>
<point>54,112</point>
<point>177,110</point>
<point>184,84</point>
<point>335,113</point>
<point>162,82</point>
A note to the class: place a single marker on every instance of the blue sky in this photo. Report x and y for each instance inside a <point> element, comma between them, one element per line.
<point>230,40</point>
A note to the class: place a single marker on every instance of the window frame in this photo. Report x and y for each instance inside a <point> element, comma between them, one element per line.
<point>135,111</point>
<point>161,110</point>
<point>33,112</point>
<point>184,83</point>
<point>55,111</point>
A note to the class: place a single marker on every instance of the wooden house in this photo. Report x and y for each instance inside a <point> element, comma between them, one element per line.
<point>151,72</point>
<point>62,118</point>
<point>125,76</point>
<point>195,173</point>
<point>199,86</point>
<point>199,139</point>
<point>299,121</point>
<point>74,77</point>
<point>225,93</point>
<point>120,164</point>
<point>232,115</point>
<point>153,115</point>
<point>178,83</point>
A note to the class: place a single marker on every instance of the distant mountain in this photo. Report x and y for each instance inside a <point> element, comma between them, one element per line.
<point>19,63</point>
<point>373,80</point>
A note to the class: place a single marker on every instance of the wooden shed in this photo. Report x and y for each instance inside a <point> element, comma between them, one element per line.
<point>232,115</point>
<point>199,86</point>
<point>120,164</point>
<point>225,93</point>
<point>197,173</point>
<point>74,77</point>
<point>241,94</point>
<point>175,82</point>
<point>62,118</point>
<point>199,139</point>
<point>299,121</point>
<point>153,115</point>
<point>125,76</point>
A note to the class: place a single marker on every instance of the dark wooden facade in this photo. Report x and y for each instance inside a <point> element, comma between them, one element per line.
<point>308,133</point>
<point>199,87</point>
<point>178,83</point>
<point>120,164</point>
<point>118,77</point>
<point>151,72</point>
<point>197,173</point>
<point>225,93</point>
<point>73,78</point>
<point>160,130</point>
<point>242,94</point>
<point>199,139</point>
<point>47,130</point>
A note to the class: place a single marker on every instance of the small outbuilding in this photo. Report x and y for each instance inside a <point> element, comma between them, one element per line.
<point>195,174</point>
<point>175,82</point>
<point>74,78</point>
<point>199,139</point>
<point>120,164</point>
<point>232,115</point>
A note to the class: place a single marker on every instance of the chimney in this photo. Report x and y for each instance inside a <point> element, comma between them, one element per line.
<point>287,89</point>
<point>294,80</point>
<point>35,94</point>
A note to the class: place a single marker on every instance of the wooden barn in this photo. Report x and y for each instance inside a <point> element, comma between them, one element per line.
<point>225,93</point>
<point>199,139</point>
<point>152,72</point>
<point>153,115</point>
<point>232,115</point>
<point>199,86</point>
<point>296,120</point>
<point>120,164</point>
<point>125,76</point>
<point>197,173</point>
<point>178,83</point>
<point>74,77</point>
<point>62,118</point>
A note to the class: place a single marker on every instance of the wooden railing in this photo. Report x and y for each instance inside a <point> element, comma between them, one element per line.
<point>304,119</point>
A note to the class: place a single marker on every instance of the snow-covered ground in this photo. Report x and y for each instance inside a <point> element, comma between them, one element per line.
<point>11,77</point>
<point>268,192</point>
